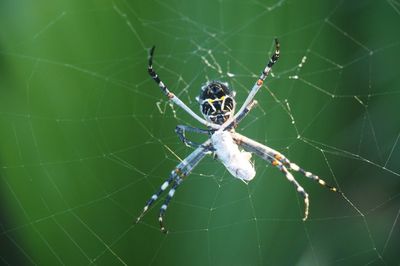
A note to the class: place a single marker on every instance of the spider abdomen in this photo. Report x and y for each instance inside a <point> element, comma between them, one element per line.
<point>237,162</point>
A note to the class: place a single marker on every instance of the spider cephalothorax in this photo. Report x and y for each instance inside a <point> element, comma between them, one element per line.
<point>217,102</point>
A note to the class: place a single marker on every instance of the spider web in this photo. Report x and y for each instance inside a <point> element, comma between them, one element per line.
<point>87,137</point>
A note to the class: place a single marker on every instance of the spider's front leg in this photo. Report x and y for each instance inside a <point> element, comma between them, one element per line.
<point>294,167</point>
<point>262,151</point>
<point>182,170</point>
<point>291,166</point>
<point>278,160</point>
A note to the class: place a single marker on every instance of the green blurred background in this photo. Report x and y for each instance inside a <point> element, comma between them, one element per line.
<point>86,136</point>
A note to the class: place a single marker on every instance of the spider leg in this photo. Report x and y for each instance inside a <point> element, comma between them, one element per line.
<point>296,168</point>
<point>181,129</point>
<point>155,196</point>
<point>172,96</point>
<point>285,161</point>
<point>242,115</point>
<point>265,153</point>
<point>164,207</point>
<point>274,58</point>
<point>299,188</point>
<point>182,170</point>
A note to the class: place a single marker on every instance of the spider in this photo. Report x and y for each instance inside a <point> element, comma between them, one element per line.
<point>217,105</point>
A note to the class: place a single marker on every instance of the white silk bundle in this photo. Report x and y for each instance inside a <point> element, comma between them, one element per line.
<point>236,161</point>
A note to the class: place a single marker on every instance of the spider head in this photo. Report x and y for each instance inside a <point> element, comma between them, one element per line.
<point>217,102</point>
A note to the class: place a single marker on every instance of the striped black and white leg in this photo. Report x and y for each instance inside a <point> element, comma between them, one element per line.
<point>183,169</point>
<point>155,196</point>
<point>298,187</point>
<point>274,58</point>
<point>164,207</point>
<point>172,97</point>
<point>288,164</point>
<point>265,153</point>
<point>296,168</point>
<point>241,115</point>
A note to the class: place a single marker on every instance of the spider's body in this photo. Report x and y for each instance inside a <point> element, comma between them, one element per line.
<point>217,104</point>
<point>236,161</point>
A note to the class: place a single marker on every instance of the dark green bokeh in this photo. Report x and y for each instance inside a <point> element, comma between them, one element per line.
<point>83,145</point>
